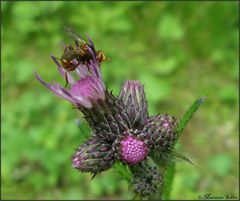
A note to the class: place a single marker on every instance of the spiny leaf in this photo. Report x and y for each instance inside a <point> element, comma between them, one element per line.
<point>183,158</point>
<point>93,176</point>
<point>188,115</point>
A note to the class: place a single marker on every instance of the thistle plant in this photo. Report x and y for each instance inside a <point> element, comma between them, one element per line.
<point>123,135</point>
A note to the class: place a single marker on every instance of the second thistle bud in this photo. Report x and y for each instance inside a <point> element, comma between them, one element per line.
<point>160,131</point>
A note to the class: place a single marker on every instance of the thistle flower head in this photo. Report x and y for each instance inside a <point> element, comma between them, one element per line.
<point>85,91</point>
<point>131,148</point>
<point>93,156</point>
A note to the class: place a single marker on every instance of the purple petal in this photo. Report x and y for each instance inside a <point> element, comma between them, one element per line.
<point>62,71</point>
<point>77,100</point>
<point>56,89</point>
<point>92,54</point>
<point>49,86</point>
<point>90,41</point>
<point>95,69</point>
<point>82,71</point>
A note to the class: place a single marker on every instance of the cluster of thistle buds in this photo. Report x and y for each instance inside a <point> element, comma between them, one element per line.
<point>122,129</point>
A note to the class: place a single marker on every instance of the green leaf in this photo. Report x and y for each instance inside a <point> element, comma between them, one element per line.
<point>184,158</point>
<point>189,114</point>
<point>123,171</point>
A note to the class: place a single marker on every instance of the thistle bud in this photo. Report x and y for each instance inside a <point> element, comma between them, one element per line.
<point>160,131</point>
<point>133,96</point>
<point>93,156</point>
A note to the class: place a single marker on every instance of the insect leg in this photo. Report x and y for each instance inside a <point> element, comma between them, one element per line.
<point>66,78</point>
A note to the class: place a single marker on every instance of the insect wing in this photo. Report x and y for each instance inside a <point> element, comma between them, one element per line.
<point>77,38</point>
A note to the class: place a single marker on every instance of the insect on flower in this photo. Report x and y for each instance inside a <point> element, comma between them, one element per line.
<point>72,57</point>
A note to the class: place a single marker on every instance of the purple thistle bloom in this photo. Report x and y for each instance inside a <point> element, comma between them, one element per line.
<point>132,150</point>
<point>131,147</point>
<point>85,91</point>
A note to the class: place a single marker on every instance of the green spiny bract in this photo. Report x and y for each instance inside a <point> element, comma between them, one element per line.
<point>108,118</point>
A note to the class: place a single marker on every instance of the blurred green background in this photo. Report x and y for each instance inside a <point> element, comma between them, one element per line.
<point>180,51</point>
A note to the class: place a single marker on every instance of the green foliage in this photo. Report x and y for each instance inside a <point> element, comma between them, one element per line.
<point>169,28</point>
<point>123,171</point>
<point>178,52</point>
<point>189,114</point>
<point>221,160</point>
